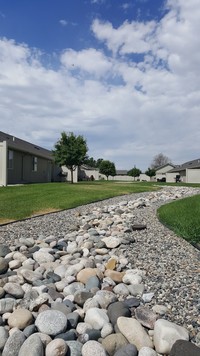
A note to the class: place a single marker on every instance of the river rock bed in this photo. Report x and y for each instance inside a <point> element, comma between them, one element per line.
<point>102,279</point>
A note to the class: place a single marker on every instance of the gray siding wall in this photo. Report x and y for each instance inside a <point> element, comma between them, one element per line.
<point>22,171</point>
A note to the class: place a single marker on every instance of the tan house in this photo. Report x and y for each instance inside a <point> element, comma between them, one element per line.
<point>86,172</point>
<point>23,162</point>
<point>188,172</point>
<point>162,170</point>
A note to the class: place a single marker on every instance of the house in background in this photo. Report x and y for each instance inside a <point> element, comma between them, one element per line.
<point>23,162</point>
<point>188,172</point>
<point>88,173</point>
<point>162,170</point>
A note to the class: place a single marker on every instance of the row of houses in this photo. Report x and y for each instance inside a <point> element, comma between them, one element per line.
<point>23,162</point>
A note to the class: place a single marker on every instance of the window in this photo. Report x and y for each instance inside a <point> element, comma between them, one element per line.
<point>34,164</point>
<point>10,159</point>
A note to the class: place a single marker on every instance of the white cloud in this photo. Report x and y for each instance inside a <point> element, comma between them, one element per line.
<point>129,110</point>
<point>63,22</point>
<point>128,38</point>
<point>89,60</point>
<point>97,1</point>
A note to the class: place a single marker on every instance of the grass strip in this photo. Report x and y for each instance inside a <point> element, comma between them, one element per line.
<point>19,202</point>
<point>183,217</point>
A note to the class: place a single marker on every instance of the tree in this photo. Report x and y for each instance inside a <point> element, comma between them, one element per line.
<point>160,160</point>
<point>150,172</point>
<point>134,172</point>
<point>70,151</point>
<point>99,162</point>
<point>107,168</point>
<point>90,161</point>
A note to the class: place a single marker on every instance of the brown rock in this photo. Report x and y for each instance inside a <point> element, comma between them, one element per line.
<point>113,342</point>
<point>111,264</point>
<point>20,318</point>
<point>85,274</point>
<point>114,275</point>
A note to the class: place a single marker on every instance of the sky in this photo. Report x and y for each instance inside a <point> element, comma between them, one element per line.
<point>124,74</point>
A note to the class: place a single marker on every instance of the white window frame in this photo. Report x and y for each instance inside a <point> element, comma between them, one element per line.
<point>34,164</point>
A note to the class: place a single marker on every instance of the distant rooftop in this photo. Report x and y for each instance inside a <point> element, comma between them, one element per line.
<point>190,164</point>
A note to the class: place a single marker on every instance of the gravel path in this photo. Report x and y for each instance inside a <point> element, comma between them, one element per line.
<point>172,264</point>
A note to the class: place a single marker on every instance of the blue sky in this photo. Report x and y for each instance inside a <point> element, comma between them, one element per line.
<point>124,74</point>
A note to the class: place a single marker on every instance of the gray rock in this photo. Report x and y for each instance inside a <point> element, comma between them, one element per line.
<point>31,276</point>
<point>127,350</point>
<point>14,343</point>
<point>3,265</point>
<point>93,334</point>
<point>80,297</point>
<point>147,297</point>
<point>105,298</point>
<point>43,257</point>
<point>32,347</point>
<point>73,319</point>
<point>92,282</point>
<point>51,322</point>
<point>4,335</point>
<point>68,336</point>
<point>72,288</point>
<point>7,305</point>
<point>29,330</point>
<point>92,348</point>
<point>184,348</point>
<point>61,307</point>
<point>4,250</point>
<point>14,289</point>
<point>121,289</point>
<point>118,309</point>
<point>75,348</point>
<point>132,302</point>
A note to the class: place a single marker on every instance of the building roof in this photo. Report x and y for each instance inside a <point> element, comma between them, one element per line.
<point>16,143</point>
<point>163,166</point>
<point>121,172</point>
<point>190,164</point>
<point>89,168</point>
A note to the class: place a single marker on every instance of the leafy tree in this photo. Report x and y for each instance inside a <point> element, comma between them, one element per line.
<point>160,160</point>
<point>90,161</point>
<point>99,162</point>
<point>70,151</point>
<point>107,168</point>
<point>150,172</point>
<point>134,172</point>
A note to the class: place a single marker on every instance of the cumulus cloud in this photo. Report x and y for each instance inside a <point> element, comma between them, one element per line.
<point>128,38</point>
<point>135,97</point>
<point>89,60</point>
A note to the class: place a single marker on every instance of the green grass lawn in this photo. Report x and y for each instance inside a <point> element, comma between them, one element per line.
<point>19,202</point>
<point>183,217</point>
